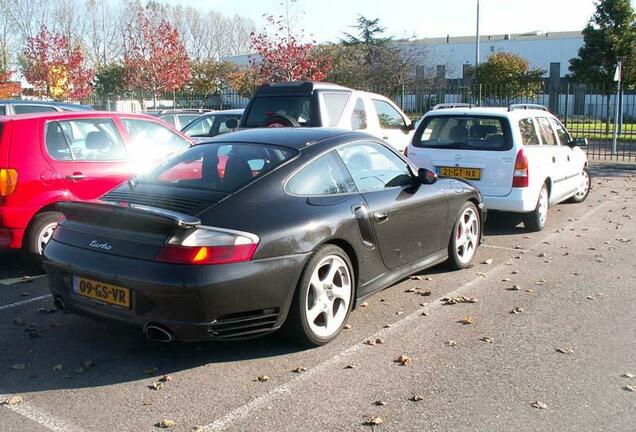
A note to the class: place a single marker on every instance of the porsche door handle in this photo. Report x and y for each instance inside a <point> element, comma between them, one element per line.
<point>380,217</point>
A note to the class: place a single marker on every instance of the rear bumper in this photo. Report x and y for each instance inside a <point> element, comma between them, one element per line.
<point>195,303</point>
<point>519,200</point>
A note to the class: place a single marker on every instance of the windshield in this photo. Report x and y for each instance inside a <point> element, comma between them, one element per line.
<point>464,133</point>
<point>280,110</point>
<point>222,167</point>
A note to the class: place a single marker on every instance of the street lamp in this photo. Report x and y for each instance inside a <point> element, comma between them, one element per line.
<point>477,41</point>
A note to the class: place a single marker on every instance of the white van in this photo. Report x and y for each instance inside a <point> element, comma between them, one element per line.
<point>521,158</point>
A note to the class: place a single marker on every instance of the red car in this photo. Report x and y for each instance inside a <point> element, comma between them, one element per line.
<point>52,157</point>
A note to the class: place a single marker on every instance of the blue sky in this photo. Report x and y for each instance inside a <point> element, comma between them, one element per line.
<point>327,19</point>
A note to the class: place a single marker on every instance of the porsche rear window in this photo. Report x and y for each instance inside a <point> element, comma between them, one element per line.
<point>464,133</point>
<point>221,167</point>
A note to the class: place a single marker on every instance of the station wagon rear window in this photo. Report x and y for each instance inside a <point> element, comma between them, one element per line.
<point>297,108</point>
<point>464,133</point>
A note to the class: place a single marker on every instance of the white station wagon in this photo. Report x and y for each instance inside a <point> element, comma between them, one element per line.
<point>521,158</point>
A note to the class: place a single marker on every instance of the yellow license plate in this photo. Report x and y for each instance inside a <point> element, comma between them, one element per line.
<point>101,291</point>
<point>467,173</point>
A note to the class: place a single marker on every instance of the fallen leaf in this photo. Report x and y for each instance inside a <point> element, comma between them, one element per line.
<point>410,290</point>
<point>466,320</point>
<point>400,313</point>
<point>364,304</point>
<point>538,405</point>
<point>13,400</point>
<point>628,375</point>
<point>590,297</point>
<point>18,366</point>
<point>262,378</point>
<point>506,280</point>
<point>630,388</point>
<point>198,428</point>
<point>57,368</point>
<point>380,340</point>
<point>379,403</point>
<point>300,369</point>
<point>514,288</point>
<point>564,350</point>
<point>166,424</point>
<point>369,342</point>
<point>347,327</point>
<point>404,360</point>
<point>542,255</point>
<point>387,326</point>
<point>451,343</point>
<point>165,378</point>
<point>416,278</point>
<point>417,398</point>
<point>486,339</point>
<point>424,313</point>
<point>350,366</point>
<point>516,310</point>
<point>425,293</point>
<point>374,421</point>
<point>481,274</point>
<point>458,299</point>
<point>487,261</point>
<point>157,385</point>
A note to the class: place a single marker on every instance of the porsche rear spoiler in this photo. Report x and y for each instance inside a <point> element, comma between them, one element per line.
<point>130,217</point>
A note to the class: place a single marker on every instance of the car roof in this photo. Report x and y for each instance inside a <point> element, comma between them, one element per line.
<point>68,106</point>
<point>296,88</point>
<point>296,138</point>
<point>483,111</point>
<point>238,111</point>
<point>75,114</point>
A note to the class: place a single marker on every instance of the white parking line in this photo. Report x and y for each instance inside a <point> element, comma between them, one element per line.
<point>40,417</point>
<point>23,302</point>
<point>13,281</point>
<point>243,411</point>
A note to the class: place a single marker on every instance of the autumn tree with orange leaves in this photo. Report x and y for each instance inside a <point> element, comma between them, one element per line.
<point>155,59</point>
<point>282,56</point>
<point>55,68</point>
<point>8,88</point>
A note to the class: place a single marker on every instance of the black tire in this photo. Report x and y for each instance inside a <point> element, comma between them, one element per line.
<point>297,324</point>
<point>30,247</point>
<point>536,219</point>
<point>579,198</point>
<point>455,260</point>
<point>280,120</point>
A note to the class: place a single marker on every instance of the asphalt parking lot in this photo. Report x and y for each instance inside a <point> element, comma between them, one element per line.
<point>544,347</point>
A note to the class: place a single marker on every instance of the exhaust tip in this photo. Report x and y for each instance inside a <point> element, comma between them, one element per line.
<point>158,333</point>
<point>60,304</point>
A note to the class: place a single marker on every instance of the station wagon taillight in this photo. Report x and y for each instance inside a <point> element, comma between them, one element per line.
<point>8,181</point>
<point>522,173</point>
<point>209,246</point>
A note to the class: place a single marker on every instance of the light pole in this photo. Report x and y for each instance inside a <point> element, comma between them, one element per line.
<point>477,41</point>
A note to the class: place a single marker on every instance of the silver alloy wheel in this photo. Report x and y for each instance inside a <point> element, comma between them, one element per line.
<point>45,236</point>
<point>585,186</point>
<point>543,205</point>
<point>467,235</point>
<point>328,296</point>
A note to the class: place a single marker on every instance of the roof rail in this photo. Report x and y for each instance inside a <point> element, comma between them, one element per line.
<point>452,105</point>
<point>513,107</point>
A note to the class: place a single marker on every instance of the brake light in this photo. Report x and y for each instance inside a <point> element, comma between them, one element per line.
<point>521,174</point>
<point>209,246</point>
<point>8,181</point>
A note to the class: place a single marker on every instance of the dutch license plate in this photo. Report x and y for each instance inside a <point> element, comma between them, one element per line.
<point>466,173</point>
<point>101,291</point>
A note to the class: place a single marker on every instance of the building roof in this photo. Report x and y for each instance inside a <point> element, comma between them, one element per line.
<point>528,36</point>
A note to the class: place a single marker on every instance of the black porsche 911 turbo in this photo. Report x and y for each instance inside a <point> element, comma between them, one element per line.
<point>256,229</point>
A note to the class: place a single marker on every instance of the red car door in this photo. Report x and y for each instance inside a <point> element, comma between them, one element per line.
<point>87,154</point>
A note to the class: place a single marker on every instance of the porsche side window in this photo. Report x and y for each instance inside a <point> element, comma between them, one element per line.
<point>374,167</point>
<point>323,176</point>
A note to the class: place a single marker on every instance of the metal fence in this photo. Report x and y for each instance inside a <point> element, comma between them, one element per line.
<point>587,110</point>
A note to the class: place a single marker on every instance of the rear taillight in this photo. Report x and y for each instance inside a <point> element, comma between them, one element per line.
<point>209,246</point>
<point>8,181</point>
<point>521,173</point>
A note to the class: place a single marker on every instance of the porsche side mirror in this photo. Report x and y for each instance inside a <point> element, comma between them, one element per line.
<point>426,176</point>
